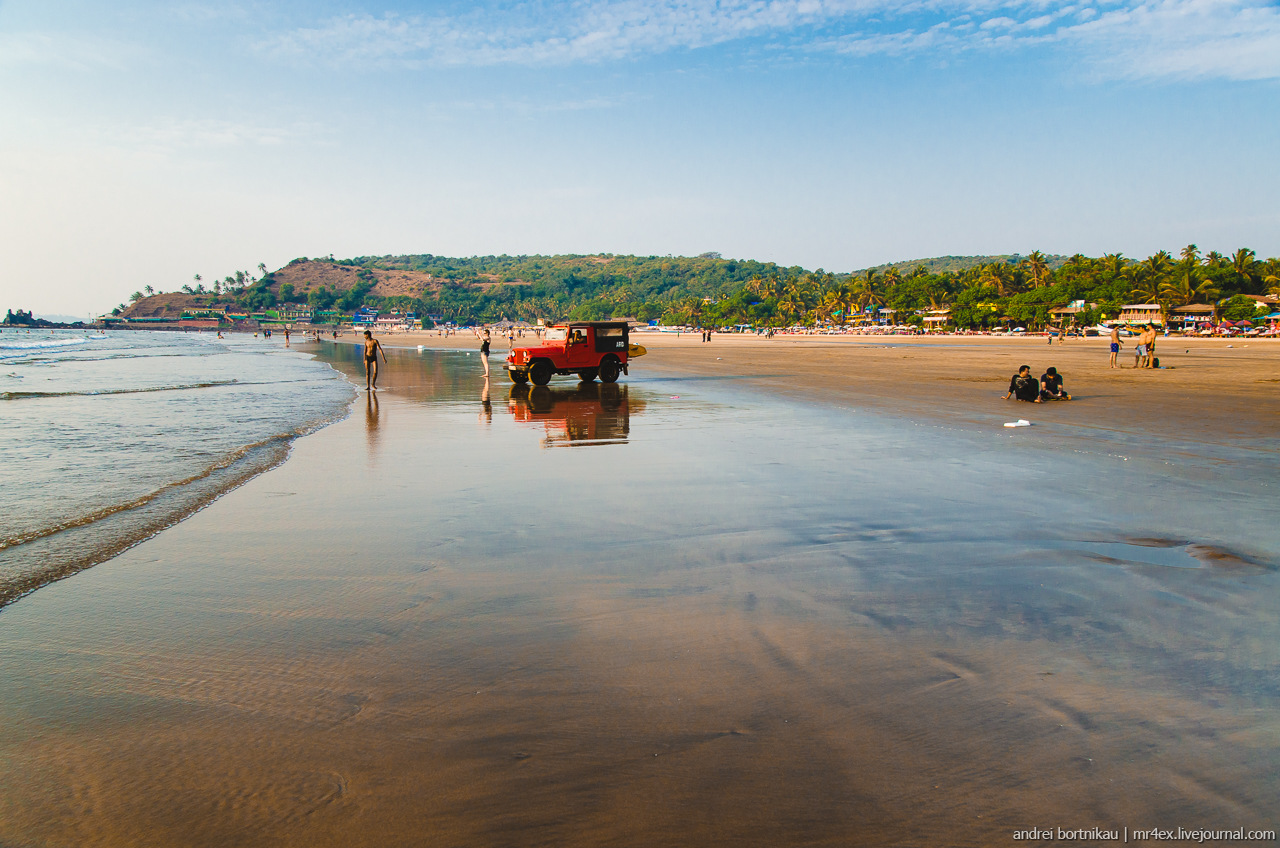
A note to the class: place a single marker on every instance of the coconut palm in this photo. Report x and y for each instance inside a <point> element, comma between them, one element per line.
<point>1243,262</point>
<point>867,292</point>
<point>996,274</point>
<point>1146,284</point>
<point>1190,255</point>
<point>1114,264</point>
<point>1037,267</point>
<point>1185,289</point>
<point>831,304</point>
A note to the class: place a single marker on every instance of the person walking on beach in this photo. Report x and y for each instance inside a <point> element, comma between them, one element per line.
<point>484,353</point>
<point>372,347</point>
<point>1115,346</point>
<point>1023,386</point>
<point>1152,334</point>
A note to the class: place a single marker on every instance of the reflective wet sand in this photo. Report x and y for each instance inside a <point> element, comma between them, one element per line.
<point>715,619</point>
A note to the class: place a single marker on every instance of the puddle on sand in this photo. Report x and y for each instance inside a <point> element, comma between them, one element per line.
<point>1167,553</point>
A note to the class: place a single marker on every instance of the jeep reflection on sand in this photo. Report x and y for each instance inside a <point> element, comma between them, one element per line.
<point>589,349</point>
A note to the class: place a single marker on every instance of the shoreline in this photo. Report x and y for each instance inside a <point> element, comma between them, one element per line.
<point>1208,390</point>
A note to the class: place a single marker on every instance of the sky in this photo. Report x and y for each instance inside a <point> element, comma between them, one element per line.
<point>145,141</point>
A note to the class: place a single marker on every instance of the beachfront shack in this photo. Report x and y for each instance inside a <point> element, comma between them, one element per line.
<point>1064,315</point>
<point>936,319</point>
<point>1141,313</point>
<point>1192,314</point>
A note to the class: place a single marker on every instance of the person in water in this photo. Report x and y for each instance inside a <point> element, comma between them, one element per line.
<point>1051,386</point>
<point>372,347</point>
<point>484,352</point>
<point>1023,386</point>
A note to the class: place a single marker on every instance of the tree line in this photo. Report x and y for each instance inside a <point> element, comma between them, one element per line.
<point>709,291</point>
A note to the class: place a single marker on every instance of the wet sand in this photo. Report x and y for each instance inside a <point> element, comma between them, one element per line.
<point>1211,390</point>
<point>425,628</point>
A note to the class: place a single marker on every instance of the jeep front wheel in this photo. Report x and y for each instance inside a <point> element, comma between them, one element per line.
<point>609,370</point>
<point>541,372</point>
<point>518,377</point>
<point>587,376</point>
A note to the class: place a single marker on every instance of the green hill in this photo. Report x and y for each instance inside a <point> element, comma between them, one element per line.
<point>711,290</point>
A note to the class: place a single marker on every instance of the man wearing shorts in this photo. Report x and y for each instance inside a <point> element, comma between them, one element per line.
<point>372,347</point>
<point>1115,345</point>
<point>1140,352</point>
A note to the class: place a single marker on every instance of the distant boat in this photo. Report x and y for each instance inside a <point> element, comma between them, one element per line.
<point>1103,329</point>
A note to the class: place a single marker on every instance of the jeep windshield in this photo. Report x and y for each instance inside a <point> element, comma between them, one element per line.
<point>556,334</point>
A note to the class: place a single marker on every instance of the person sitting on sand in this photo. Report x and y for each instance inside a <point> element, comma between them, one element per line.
<point>372,347</point>
<point>1023,386</point>
<point>1051,386</point>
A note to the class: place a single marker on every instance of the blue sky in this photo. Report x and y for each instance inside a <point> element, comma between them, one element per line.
<point>143,142</point>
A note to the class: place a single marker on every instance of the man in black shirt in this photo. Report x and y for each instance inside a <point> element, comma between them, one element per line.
<point>1051,386</point>
<point>1023,386</point>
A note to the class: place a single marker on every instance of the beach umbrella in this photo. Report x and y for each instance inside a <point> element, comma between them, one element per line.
<point>1244,322</point>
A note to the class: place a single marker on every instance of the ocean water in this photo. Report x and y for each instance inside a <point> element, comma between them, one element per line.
<point>107,438</point>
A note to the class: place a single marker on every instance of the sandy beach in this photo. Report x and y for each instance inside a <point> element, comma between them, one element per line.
<point>803,599</point>
<point>1211,390</point>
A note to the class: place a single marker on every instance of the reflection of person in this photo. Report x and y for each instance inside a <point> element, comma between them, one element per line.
<point>372,347</point>
<point>1023,386</point>
<point>484,353</point>
<point>486,414</point>
<point>1051,386</point>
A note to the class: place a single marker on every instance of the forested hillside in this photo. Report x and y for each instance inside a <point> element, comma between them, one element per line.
<point>712,291</point>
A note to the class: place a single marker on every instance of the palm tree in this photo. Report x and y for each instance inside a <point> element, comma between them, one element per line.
<point>1242,262</point>
<point>150,291</point>
<point>831,304</point>
<point>1146,284</point>
<point>1190,255</point>
<point>1037,267</point>
<point>1114,264</point>
<point>1186,289</point>
<point>1214,259</point>
<point>996,274</point>
<point>867,292</point>
<point>791,304</point>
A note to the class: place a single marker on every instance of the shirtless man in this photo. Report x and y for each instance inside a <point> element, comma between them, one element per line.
<point>372,347</point>
<point>1151,346</point>
<point>1115,345</point>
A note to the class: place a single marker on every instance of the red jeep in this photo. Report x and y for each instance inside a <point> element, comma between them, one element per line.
<point>589,349</point>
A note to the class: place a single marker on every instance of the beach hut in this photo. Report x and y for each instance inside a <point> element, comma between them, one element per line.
<point>1141,313</point>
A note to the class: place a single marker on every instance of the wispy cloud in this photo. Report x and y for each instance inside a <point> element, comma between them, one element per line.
<point>1234,39</point>
<point>76,51</point>
<point>172,135</point>
<point>1188,39</point>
